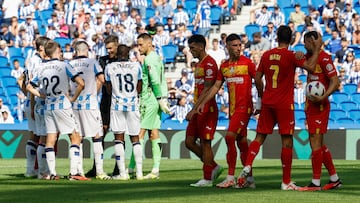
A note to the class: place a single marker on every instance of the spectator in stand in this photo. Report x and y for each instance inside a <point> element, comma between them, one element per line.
<point>161,38</point>
<point>259,44</point>
<point>217,53</point>
<point>99,47</point>
<point>202,21</point>
<point>104,15</point>
<point>277,17</point>
<point>181,109</point>
<point>297,16</point>
<point>343,33</point>
<point>328,11</point>
<point>270,34</point>
<point>347,13</point>
<point>54,20</point>
<point>99,25</point>
<point>10,9</point>
<point>354,22</point>
<point>88,33</point>
<point>222,99</point>
<point>343,78</point>
<point>115,17</point>
<point>93,7</point>
<point>21,40</point>
<point>51,32</point>
<point>299,92</point>
<point>18,70</point>
<point>334,22</point>
<point>295,36</point>
<point>6,35</point>
<point>314,13</point>
<point>140,5</point>
<point>170,26</point>
<point>180,38</point>
<point>31,27</point>
<point>71,7</point>
<point>41,5</point>
<point>108,30</point>
<point>3,107</point>
<point>245,40</point>
<point>151,26</point>
<point>125,37</point>
<point>156,3</point>
<point>356,34</point>
<point>308,19</point>
<point>339,55</point>
<point>172,99</point>
<point>4,50</point>
<point>68,53</point>
<point>349,59</point>
<point>183,79</point>
<point>354,76</point>
<point>334,43</point>
<point>165,10</point>
<point>14,26</point>
<point>260,16</point>
<point>181,16</point>
<point>138,22</point>
<point>27,8</point>
<point>308,28</point>
<point>63,29</point>
<point>6,117</point>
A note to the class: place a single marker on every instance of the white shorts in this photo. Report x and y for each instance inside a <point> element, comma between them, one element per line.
<point>60,121</point>
<point>128,122</point>
<point>89,122</point>
<point>40,123</point>
<point>31,122</point>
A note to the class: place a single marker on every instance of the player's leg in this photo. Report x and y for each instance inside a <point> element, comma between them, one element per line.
<point>41,157</point>
<point>31,144</point>
<point>50,154</point>
<point>119,148</point>
<point>138,156</point>
<point>156,153</point>
<point>334,181</point>
<point>192,137</point>
<point>133,126</point>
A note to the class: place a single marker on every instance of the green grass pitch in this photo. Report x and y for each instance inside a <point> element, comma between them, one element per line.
<point>173,185</point>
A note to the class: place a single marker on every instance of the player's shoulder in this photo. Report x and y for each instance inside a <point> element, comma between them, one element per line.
<point>209,61</point>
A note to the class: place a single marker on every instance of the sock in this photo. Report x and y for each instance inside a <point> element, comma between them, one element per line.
<point>74,158</point>
<point>120,156</point>
<point>50,159</point>
<point>286,161</point>
<point>80,169</point>
<point>41,157</point>
<point>98,156</point>
<point>156,153</point>
<point>253,151</point>
<point>132,162</point>
<point>137,151</point>
<point>244,150</point>
<point>328,161</point>
<point>231,154</point>
<point>316,161</point>
<point>30,156</point>
<point>207,170</point>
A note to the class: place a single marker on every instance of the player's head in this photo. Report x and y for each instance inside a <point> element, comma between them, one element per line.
<point>197,44</point>
<point>111,44</point>
<point>233,45</point>
<point>144,42</point>
<point>308,37</point>
<point>81,48</point>
<point>52,50</point>
<point>123,52</point>
<point>40,44</point>
<point>284,34</point>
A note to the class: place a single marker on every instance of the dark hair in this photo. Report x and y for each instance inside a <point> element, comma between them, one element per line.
<point>311,34</point>
<point>284,34</point>
<point>232,37</point>
<point>197,39</point>
<point>51,47</point>
<point>111,39</point>
<point>144,36</point>
<point>123,52</point>
<point>41,41</point>
<point>257,34</point>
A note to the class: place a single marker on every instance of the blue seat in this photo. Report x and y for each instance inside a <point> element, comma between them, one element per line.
<point>250,29</point>
<point>216,17</point>
<point>305,9</point>
<point>21,60</point>
<point>252,123</point>
<point>62,41</point>
<point>14,51</point>
<point>27,50</point>
<point>357,8</point>
<point>350,88</point>
<point>300,28</point>
<point>337,113</point>
<point>150,12</point>
<point>4,98</point>
<point>333,105</point>
<point>12,90</point>
<point>345,120</point>
<point>284,3</point>
<point>300,47</point>
<point>8,81</point>
<point>4,61</point>
<point>174,124</point>
<point>348,105</point>
<point>45,14</point>
<point>5,71</point>
<point>354,114</point>
<point>326,36</point>
<point>316,3</point>
<point>339,97</point>
<point>190,4</point>
<point>169,54</point>
<point>299,106</point>
<point>13,99</point>
<point>299,114</point>
<point>303,78</point>
<point>355,97</point>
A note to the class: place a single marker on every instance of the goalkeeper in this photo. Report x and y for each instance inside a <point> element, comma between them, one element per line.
<point>153,100</point>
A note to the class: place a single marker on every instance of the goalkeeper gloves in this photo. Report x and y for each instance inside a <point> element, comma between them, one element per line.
<point>164,105</point>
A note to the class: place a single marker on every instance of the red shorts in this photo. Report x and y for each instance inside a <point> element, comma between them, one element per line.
<point>238,123</point>
<point>269,117</point>
<point>317,118</point>
<point>203,125</point>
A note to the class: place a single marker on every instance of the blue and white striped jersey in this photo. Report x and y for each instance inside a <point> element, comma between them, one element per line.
<point>204,12</point>
<point>88,69</point>
<point>30,71</point>
<point>26,10</point>
<point>136,3</point>
<point>55,77</point>
<point>124,77</point>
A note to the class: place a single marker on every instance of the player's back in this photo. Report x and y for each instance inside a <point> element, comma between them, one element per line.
<point>124,77</point>
<point>278,65</point>
<point>88,69</point>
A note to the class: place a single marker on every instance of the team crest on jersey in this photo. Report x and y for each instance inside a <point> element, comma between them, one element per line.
<point>329,67</point>
<point>209,72</point>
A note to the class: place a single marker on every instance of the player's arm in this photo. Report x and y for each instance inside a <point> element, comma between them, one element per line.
<point>30,87</point>
<point>260,89</point>
<point>205,97</point>
<point>108,87</point>
<point>21,82</point>
<point>333,86</point>
<point>80,86</point>
<point>315,46</point>
<point>100,81</point>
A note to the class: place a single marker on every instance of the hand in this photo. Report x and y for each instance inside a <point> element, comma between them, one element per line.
<point>200,109</point>
<point>164,105</point>
<point>190,115</point>
<point>299,55</point>
<point>316,99</point>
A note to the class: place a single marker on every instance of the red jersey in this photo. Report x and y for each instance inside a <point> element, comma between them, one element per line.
<point>205,70</point>
<point>278,65</point>
<point>238,76</point>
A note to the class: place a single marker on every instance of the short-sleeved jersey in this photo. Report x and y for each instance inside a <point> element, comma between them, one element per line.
<point>124,77</point>
<point>324,70</point>
<point>55,76</point>
<point>238,76</point>
<point>88,69</point>
<point>278,65</point>
<point>205,70</point>
<point>204,11</point>
<point>153,75</point>
<point>104,60</point>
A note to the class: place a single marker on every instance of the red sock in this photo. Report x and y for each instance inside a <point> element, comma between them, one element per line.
<point>327,160</point>
<point>253,151</point>
<point>207,170</point>
<point>244,149</point>
<point>231,154</point>
<point>316,161</point>
<point>286,160</point>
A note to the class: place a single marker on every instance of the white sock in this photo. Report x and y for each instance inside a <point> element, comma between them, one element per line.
<point>120,156</point>
<point>138,158</point>
<point>334,177</point>
<point>98,154</point>
<point>30,156</point>
<point>74,158</point>
<point>230,177</point>
<point>316,182</point>
<point>41,157</point>
<point>50,159</point>
<point>80,169</point>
